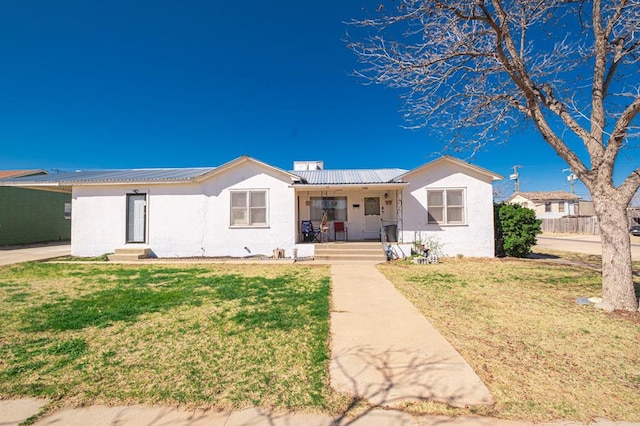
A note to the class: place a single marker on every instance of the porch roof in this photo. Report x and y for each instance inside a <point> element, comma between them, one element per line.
<point>349,177</point>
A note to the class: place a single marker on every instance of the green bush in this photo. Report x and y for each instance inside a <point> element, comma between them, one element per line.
<point>515,228</point>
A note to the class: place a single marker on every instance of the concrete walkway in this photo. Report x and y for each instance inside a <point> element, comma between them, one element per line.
<point>385,351</point>
<point>30,252</point>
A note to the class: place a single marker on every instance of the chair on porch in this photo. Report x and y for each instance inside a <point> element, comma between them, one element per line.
<point>339,227</point>
<point>309,233</point>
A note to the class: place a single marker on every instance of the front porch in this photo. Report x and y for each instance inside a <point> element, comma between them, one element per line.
<point>368,214</point>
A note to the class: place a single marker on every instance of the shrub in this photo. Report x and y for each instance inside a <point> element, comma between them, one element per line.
<point>516,228</point>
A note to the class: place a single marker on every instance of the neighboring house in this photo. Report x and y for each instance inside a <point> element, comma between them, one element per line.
<point>247,207</point>
<point>633,213</point>
<point>585,208</point>
<point>32,216</point>
<point>547,205</point>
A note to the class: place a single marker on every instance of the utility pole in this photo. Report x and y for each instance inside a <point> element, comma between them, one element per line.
<point>516,177</point>
<point>571,178</point>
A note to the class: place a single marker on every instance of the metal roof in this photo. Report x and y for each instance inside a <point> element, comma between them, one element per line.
<point>115,176</point>
<point>349,177</point>
<point>6,174</point>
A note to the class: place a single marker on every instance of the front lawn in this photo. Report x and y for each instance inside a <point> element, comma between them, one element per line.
<point>220,336</point>
<point>517,323</point>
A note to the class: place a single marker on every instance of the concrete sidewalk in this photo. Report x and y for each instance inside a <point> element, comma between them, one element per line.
<point>385,351</point>
<point>13,412</point>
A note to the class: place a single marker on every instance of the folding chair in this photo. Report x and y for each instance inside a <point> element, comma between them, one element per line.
<point>339,227</point>
<point>309,233</point>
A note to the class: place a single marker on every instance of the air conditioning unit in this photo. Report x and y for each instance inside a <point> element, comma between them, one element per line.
<point>308,165</point>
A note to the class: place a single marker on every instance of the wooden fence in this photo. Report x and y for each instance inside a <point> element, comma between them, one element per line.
<point>584,224</point>
<point>571,225</point>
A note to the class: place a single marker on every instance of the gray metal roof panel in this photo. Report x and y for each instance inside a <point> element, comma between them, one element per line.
<point>349,177</point>
<point>117,176</point>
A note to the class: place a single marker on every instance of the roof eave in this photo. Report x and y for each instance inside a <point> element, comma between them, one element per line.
<point>349,185</point>
<point>99,183</point>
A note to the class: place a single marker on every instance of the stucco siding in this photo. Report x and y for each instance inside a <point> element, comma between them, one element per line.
<point>475,238</point>
<point>222,239</point>
<point>176,219</point>
<point>187,220</point>
<point>97,220</point>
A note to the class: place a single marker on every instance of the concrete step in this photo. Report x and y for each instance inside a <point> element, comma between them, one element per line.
<point>128,254</point>
<point>133,250</point>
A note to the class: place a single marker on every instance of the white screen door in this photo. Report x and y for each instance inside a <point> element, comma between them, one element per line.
<point>136,218</point>
<point>372,218</point>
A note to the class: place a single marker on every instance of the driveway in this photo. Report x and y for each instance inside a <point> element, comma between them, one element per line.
<point>31,252</point>
<point>577,243</point>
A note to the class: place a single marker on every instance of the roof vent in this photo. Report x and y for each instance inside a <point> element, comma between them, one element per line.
<point>308,165</point>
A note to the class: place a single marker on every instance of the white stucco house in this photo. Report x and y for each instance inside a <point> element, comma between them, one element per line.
<point>548,205</point>
<point>247,207</point>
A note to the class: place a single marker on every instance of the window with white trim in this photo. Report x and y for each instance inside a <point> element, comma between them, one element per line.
<point>446,206</point>
<point>248,208</point>
<point>561,206</point>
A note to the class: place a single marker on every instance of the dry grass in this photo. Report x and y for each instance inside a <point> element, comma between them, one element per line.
<point>208,336</point>
<point>517,323</point>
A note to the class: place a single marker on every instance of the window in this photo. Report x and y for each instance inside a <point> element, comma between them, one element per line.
<point>335,207</point>
<point>67,210</point>
<point>561,206</point>
<point>445,206</point>
<point>249,208</point>
<point>547,207</point>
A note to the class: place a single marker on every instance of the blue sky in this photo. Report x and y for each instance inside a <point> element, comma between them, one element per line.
<point>133,84</point>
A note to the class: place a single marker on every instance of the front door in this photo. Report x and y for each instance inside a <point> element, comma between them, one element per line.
<point>136,218</point>
<point>372,218</point>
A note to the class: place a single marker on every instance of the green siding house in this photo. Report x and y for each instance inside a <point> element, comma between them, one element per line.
<point>30,215</point>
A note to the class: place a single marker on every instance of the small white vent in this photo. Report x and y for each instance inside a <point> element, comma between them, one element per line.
<point>308,165</point>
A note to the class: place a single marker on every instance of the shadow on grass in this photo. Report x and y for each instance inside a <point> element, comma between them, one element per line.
<point>542,256</point>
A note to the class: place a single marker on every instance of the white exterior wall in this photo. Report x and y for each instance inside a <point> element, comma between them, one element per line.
<point>220,239</point>
<point>98,216</point>
<point>173,228</point>
<point>175,220</point>
<point>188,219</point>
<point>473,239</point>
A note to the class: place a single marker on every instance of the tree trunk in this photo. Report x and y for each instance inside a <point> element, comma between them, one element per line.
<point>617,279</point>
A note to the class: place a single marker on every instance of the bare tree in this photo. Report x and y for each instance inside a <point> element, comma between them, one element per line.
<point>478,69</point>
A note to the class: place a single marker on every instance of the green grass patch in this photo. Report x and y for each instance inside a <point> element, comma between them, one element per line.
<point>209,336</point>
<point>542,356</point>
